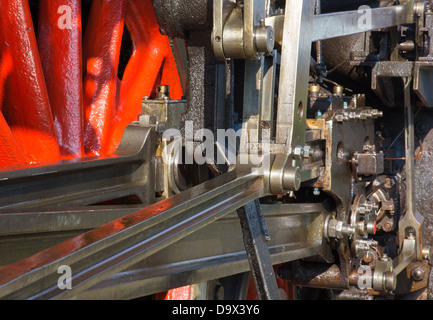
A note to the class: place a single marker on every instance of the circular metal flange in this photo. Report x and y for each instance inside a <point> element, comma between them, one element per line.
<point>292,179</point>
<point>264,39</point>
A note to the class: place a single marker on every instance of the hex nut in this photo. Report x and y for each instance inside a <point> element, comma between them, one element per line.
<point>417,274</point>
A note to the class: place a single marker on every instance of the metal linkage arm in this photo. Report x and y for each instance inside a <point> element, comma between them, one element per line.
<point>338,24</point>
<point>411,224</point>
<point>253,229</point>
<point>107,250</point>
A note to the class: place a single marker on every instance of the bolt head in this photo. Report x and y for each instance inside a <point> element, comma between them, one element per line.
<point>306,152</point>
<point>417,274</point>
<point>297,151</point>
<point>339,118</point>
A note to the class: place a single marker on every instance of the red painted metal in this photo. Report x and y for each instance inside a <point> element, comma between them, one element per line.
<point>60,49</point>
<point>152,56</point>
<point>10,154</point>
<point>102,43</point>
<point>49,111</point>
<point>182,293</point>
<point>9,150</point>
<point>25,104</point>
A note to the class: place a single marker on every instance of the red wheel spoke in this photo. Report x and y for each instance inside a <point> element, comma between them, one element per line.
<point>151,50</point>
<point>49,111</point>
<point>102,42</point>
<point>10,154</point>
<point>60,49</point>
<point>170,76</point>
<point>25,105</point>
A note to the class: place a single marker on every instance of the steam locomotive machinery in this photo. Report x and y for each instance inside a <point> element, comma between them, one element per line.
<point>308,122</point>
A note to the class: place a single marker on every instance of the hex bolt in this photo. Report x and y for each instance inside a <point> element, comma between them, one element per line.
<point>339,118</point>
<point>417,274</point>
<point>339,229</point>
<point>306,152</point>
<point>298,151</point>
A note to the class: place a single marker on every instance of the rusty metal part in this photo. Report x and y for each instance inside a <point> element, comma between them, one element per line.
<point>318,275</point>
<point>430,285</point>
<point>354,294</point>
<point>414,278</point>
<point>340,144</point>
<point>369,163</point>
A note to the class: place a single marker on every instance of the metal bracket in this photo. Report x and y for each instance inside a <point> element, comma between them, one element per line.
<point>239,31</point>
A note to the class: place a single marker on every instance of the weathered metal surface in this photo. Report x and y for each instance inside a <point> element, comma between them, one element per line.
<point>318,275</point>
<point>128,171</point>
